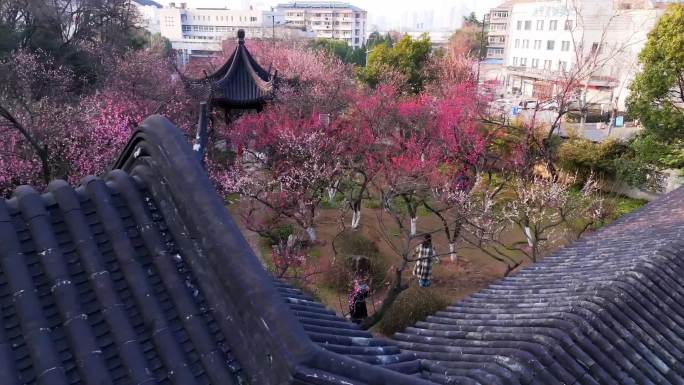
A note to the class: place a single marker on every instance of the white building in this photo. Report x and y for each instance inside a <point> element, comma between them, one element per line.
<point>497,31</point>
<point>548,41</point>
<point>330,20</point>
<point>149,14</point>
<point>199,32</point>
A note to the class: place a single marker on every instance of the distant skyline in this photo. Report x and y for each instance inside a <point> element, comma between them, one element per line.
<point>386,14</point>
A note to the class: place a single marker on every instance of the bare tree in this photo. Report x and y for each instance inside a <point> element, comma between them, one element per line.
<point>544,210</point>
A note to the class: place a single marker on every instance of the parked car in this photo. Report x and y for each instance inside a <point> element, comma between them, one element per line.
<point>503,102</point>
<point>528,104</point>
<point>549,105</point>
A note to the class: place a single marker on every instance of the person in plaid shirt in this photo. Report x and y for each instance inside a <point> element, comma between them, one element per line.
<point>425,257</point>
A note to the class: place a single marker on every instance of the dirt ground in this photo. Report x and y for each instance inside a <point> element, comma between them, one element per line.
<point>472,271</point>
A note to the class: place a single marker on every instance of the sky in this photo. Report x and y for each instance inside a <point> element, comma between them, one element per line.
<point>391,13</point>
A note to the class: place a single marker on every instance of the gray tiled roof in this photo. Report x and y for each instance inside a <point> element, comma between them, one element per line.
<point>94,290</point>
<point>141,277</point>
<point>605,310</point>
<point>239,83</point>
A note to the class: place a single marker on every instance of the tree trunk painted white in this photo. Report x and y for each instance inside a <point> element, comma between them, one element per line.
<point>528,235</point>
<point>452,252</point>
<point>332,190</point>
<point>414,223</point>
<point>356,219</point>
<point>311,232</point>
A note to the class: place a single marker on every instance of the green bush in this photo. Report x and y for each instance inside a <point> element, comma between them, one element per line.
<point>279,233</point>
<point>412,305</point>
<point>584,157</point>
<point>340,274</point>
<point>337,278</point>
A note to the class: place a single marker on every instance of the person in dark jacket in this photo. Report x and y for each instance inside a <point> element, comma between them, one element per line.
<point>357,300</point>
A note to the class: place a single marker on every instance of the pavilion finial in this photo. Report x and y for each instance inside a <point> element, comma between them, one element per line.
<point>241,36</point>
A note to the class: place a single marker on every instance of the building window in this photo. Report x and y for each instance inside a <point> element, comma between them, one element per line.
<point>523,61</point>
<point>540,25</point>
<point>553,25</point>
<point>494,52</point>
<point>547,64</point>
<point>537,44</point>
<point>519,25</point>
<point>186,28</point>
<point>535,63</point>
<point>515,61</point>
<point>565,46</point>
<point>562,65</point>
<point>568,25</point>
<point>526,44</point>
<point>252,18</point>
<point>356,40</point>
<point>528,25</point>
<point>550,44</point>
<point>598,48</point>
<point>517,43</point>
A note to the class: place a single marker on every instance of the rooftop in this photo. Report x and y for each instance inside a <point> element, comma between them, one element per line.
<point>239,83</point>
<point>320,4</point>
<point>133,277</point>
<point>148,3</point>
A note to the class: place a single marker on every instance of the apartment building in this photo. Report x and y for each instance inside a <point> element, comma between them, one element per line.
<point>548,41</point>
<point>330,20</point>
<point>497,30</point>
<point>199,32</point>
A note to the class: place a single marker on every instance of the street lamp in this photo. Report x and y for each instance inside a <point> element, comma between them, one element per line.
<point>367,52</point>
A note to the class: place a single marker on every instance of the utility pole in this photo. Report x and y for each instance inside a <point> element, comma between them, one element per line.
<point>479,54</point>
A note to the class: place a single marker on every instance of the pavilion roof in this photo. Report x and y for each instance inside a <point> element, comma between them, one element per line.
<point>239,83</point>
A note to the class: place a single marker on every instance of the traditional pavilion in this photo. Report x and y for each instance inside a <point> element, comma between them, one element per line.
<point>239,84</point>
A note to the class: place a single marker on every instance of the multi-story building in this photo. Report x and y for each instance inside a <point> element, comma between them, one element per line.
<point>595,42</point>
<point>199,32</point>
<point>497,30</point>
<point>330,20</point>
<point>148,11</point>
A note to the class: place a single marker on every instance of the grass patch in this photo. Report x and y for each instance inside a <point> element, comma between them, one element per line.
<point>232,198</point>
<point>625,205</point>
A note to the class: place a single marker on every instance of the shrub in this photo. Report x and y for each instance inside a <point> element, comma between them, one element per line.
<point>584,157</point>
<point>279,234</point>
<point>340,274</point>
<point>412,305</point>
<point>336,277</point>
<point>351,243</point>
